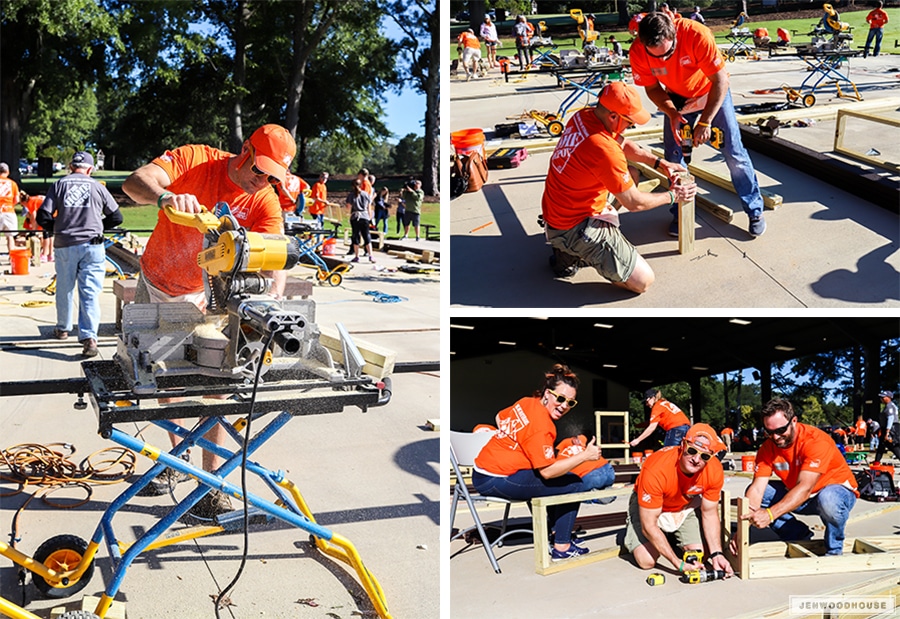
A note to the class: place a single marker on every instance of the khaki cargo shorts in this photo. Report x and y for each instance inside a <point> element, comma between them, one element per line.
<point>599,243</point>
<point>687,532</point>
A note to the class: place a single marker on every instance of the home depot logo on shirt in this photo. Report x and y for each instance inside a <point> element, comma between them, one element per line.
<point>572,137</point>
<point>510,426</point>
<point>645,497</point>
<point>548,452</point>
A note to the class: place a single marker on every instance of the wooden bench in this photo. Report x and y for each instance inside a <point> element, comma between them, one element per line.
<point>429,235</point>
<point>125,289</point>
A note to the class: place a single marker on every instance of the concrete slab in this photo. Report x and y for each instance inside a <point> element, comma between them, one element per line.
<point>824,247</point>
<point>371,477</point>
<point>616,587</point>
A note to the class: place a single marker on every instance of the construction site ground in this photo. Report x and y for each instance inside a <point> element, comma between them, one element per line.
<point>372,477</point>
<point>617,588</point>
<point>825,246</point>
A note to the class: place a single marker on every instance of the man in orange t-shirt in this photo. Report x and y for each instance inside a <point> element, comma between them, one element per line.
<point>683,72</point>
<point>876,18</point>
<point>665,415</point>
<point>860,429</point>
<point>674,482</point>
<point>589,163</point>
<point>727,435</point>
<point>9,197</point>
<point>813,479</point>
<point>469,49</point>
<point>188,179</point>
<point>292,194</point>
<point>318,196</point>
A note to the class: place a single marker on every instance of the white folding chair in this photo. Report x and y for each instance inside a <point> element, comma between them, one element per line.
<point>464,447</point>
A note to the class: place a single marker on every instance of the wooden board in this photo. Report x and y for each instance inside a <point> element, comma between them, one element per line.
<point>719,210</point>
<point>379,360</point>
<point>686,220</point>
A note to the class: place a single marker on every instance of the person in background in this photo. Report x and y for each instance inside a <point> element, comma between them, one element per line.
<point>876,19</point>
<point>665,415</point>
<point>874,427</point>
<point>491,40</point>
<point>698,16</point>
<point>683,72</point>
<point>318,197</point>
<point>595,474</point>
<point>359,204</point>
<point>78,209</point>
<point>615,47</point>
<point>677,492</point>
<point>523,32</point>
<point>382,212</point>
<point>400,213</point>
<point>9,197</point>
<point>469,49</point>
<point>188,179</point>
<point>727,436</point>
<point>519,462</point>
<point>292,194</point>
<point>890,427</point>
<point>813,479</point>
<point>859,431</point>
<point>32,204</point>
<point>413,196</point>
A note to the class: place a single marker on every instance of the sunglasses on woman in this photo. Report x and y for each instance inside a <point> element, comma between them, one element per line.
<point>704,455</point>
<point>561,398</point>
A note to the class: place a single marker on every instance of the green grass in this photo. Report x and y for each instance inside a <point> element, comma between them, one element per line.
<point>561,30</point>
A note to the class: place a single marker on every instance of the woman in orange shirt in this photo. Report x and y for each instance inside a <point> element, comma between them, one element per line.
<point>519,462</point>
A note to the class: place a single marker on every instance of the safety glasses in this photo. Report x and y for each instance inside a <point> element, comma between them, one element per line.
<point>693,451</point>
<point>667,54</point>
<point>561,398</point>
<point>272,180</point>
<point>778,431</point>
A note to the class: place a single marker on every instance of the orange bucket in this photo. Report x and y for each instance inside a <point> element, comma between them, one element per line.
<point>468,141</point>
<point>647,453</point>
<point>748,463</point>
<point>19,258</point>
<point>328,247</point>
<point>636,457</point>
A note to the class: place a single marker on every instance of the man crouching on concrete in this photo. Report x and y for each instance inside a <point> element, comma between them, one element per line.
<point>673,483</point>
<point>590,162</point>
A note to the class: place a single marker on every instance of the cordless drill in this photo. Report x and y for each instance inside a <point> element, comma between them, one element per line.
<point>686,134</point>
<point>698,576</point>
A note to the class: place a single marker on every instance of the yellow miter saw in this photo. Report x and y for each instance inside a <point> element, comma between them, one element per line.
<point>231,339</point>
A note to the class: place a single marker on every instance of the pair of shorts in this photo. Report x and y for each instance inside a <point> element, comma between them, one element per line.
<point>410,218</point>
<point>9,221</point>
<point>599,243</point>
<point>469,54</point>
<point>491,43</point>
<point>688,534</point>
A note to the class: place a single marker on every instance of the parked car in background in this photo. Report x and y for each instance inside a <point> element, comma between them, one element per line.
<point>57,167</point>
<point>24,167</point>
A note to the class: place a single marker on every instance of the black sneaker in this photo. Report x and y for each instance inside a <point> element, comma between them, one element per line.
<point>212,505</point>
<point>757,226</point>
<point>89,347</point>
<point>673,228</point>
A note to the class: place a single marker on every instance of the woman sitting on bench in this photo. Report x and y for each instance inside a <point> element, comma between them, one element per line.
<point>519,461</point>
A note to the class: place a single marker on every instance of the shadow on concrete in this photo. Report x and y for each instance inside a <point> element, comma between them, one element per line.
<point>856,286</point>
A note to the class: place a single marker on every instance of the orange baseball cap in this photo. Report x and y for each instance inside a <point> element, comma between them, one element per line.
<point>704,437</point>
<point>274,149</point>
<point>623,99</point>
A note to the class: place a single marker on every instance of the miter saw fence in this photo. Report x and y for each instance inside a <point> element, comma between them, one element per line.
<point>227,340</point>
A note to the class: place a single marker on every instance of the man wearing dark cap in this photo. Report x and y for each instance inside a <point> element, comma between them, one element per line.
<point>189,179</point>
<point>589,164</point>
<point>77,209</point>
<point>665,415</point>
<point>678,492</point>
<point>890,427</point>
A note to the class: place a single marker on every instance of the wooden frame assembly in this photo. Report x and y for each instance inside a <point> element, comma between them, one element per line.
<point>839,138</point>
<point>777,559</point>
<point>598,417</point>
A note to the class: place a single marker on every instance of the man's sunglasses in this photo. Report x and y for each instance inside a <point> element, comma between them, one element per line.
<point>272,180</point>
<point>778,431</point>
<point>704,455</point>
<point>561,398</point>
<point>667,54</point>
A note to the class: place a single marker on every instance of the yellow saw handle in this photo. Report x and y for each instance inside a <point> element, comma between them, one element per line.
<point>204,221</point>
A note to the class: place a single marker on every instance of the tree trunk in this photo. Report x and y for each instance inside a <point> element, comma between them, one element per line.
<point>624,18</point>
<point>431,151</point>
<point>236,139</point>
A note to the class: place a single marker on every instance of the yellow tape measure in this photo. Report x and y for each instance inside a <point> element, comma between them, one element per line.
<point>37,303</point>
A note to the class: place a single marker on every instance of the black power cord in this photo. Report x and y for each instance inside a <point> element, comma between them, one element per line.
<point>234,580</point>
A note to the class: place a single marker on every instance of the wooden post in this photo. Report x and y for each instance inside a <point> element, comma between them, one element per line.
<point>686,219</point>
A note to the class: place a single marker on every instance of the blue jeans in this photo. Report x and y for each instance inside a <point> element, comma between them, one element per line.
<point>84,265</point>
<point>527,484</point>
<point>874,33</point>
<point>832,505</point>
<point>382,217</point>
<point>675,436</point>
<point>743,176</point>
<point>600,478</point>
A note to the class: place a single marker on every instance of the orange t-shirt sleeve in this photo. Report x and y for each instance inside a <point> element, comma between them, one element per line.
<point>765,460</point>
<point>715,479</point>
<point>651,487</point>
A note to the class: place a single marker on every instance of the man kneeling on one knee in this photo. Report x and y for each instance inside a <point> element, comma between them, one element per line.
<point>813,479</point>
<point>674,482</point>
